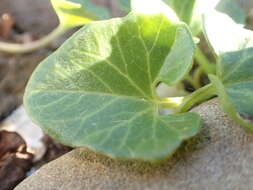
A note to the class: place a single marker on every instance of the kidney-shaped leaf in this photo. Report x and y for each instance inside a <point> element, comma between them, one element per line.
<point>98,89</point>
<point>78,12</point>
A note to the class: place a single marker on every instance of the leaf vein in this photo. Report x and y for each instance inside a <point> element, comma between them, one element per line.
<point>120,72</point>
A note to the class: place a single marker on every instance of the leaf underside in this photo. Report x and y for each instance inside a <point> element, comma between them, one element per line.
<point>98,89</point>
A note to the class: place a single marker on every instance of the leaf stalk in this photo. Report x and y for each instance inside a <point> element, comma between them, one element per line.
<point>32,46</point>
<point>197,97</point>
<point>204,63</point>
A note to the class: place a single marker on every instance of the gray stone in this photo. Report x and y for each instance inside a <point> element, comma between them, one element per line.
<point>219,158</point>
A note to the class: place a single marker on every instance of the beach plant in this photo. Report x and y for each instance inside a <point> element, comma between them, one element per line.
<point>99,89</point>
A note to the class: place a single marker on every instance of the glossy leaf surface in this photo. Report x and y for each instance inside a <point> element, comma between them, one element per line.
<point>98,89</point>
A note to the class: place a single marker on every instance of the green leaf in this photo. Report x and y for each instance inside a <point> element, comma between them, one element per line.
<point>99,11</point>
<point>191,11</point>
<point>125,5</point>
<point>228,104</point>
<point>229,36</point>
<point>232,8</point>
<point>98,89</point>
<point>236,74</point>
<point>153,6</point>
<point>177,62</point>
<point>183,8</point>
<point>188,11</point>
<point>78,12</point>
<point>234,81</point>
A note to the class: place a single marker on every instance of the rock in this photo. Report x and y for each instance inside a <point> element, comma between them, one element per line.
<point>220,157</point>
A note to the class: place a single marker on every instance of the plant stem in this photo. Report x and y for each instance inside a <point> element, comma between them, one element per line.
<point>236,117</point>
<point>197,97</point>
<point>194,83</point>
<point>204,63</point>
<point>228,107</point>
<point>28,47</point>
